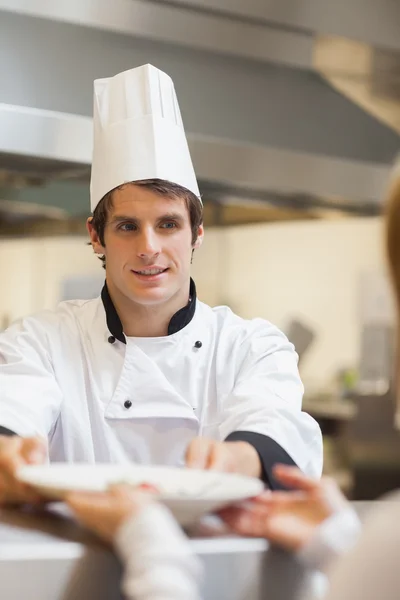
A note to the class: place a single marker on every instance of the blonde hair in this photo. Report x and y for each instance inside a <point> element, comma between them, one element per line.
<point>392,226</point>
<point>392,214</point>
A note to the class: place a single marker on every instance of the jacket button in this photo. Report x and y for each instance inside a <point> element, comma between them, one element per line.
<point>111,339</point>
<point>127,403</point>
<point>198,344</point>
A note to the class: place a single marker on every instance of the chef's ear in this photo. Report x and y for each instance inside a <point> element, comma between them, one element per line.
<point>97,246</point>
<point>200,237</point>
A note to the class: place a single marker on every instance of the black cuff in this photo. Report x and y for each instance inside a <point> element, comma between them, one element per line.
<point>5,431</point>
<point>269,451</point>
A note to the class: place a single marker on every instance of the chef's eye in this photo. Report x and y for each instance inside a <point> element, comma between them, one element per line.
<point>168,225</point>
<point>127,227</point>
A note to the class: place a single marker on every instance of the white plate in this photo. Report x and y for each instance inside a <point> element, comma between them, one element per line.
<point>188,493</point>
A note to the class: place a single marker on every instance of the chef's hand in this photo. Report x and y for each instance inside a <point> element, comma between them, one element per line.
<point>228,457</point>
<point>16,452</point>
<point>288,519</point>
<point>104,513</point>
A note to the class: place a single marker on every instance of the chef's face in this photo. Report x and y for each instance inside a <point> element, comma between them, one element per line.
<point>147,245</point>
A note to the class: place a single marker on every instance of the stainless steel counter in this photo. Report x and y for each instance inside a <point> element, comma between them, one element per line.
<point>46,556</point>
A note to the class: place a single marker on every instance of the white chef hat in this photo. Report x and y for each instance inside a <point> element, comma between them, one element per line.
<point>138,133</point>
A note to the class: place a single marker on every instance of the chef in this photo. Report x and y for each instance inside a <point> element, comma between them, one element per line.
<point>147,372</point>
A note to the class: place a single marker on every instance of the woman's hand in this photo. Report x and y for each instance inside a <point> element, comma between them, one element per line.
<point>288,519</point>
<point>104,513</point>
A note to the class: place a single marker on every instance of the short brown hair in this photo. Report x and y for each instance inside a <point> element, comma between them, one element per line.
<point>160,187</point>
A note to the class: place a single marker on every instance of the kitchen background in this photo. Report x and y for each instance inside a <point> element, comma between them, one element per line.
<point>292,111</point>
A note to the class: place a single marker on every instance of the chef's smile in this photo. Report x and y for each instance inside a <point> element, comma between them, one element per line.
<point>150,274</point>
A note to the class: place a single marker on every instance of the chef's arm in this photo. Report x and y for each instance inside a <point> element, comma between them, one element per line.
<point>5,431</point>
<point>269,454</point>
<point>30,397</point>
<point>264,407</point>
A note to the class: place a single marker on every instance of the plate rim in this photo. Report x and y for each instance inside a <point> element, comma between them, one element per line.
<point>22,475</point>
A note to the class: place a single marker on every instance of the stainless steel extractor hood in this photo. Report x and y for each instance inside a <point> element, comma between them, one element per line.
<point>277,140</point>
<point>38,147</point>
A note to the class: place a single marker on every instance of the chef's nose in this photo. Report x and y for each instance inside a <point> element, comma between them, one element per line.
<point>149,245</point>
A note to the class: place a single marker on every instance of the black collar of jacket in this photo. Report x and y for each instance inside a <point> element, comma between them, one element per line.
<point>178,321</point>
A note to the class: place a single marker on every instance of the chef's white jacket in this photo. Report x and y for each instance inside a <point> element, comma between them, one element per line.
<point>72,376</point>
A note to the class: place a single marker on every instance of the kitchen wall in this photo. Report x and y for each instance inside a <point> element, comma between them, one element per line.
<point>309,271</point>
<point>19,267</point>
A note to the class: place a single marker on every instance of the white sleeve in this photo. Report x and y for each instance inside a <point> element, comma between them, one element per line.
<point>336,536</point>
<point>30,397</point>
<point>267,398</point>
<point>371,570</point>
<point>158,561</point>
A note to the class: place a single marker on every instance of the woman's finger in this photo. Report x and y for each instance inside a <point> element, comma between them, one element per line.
<point>294,478</point>
<point>281,498</point>
<point>83,503</point>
